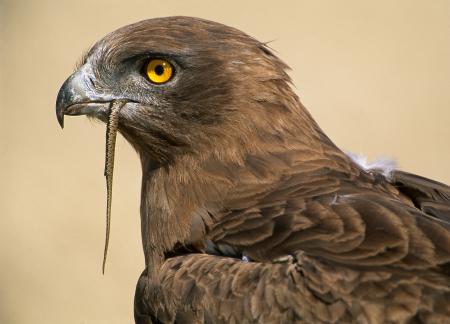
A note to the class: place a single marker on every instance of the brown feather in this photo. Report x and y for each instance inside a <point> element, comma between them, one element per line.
<point>250,214</point>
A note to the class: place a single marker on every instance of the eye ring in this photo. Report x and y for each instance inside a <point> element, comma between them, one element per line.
<point>159,71</point>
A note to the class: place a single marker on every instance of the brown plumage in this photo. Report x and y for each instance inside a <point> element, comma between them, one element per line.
<point>249,212</point>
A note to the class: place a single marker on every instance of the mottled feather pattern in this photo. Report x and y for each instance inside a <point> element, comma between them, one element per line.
<point>350,249</point>
<point>303,290</point>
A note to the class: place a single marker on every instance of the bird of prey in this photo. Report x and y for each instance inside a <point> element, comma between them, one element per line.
<point>249,212</point>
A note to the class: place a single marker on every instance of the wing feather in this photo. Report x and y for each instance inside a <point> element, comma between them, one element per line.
<point>343,220</point>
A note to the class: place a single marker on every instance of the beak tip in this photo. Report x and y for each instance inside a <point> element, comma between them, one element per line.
<point>60,117</point>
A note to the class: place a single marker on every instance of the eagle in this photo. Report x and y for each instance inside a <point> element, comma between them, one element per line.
<point>249,212</point>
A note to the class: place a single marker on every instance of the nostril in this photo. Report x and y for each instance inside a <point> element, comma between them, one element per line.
<point>91,81</point>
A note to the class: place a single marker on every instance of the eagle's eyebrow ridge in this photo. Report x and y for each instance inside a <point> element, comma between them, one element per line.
<point>83,58</point>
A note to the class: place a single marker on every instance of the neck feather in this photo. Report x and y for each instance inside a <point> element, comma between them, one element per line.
<point>174,193</point>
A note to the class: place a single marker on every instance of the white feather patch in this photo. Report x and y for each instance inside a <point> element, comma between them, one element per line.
<point>384,166</point>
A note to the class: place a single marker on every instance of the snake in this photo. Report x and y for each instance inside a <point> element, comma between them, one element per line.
<point>112,127</point>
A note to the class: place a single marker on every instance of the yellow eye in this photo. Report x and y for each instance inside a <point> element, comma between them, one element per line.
<point>159,71</point>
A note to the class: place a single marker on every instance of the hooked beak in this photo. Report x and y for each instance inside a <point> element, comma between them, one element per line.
<point>77,96</point>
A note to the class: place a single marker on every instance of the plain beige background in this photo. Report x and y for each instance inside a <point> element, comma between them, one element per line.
<point>375,74</point>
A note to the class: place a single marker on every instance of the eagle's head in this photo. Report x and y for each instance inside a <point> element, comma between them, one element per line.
<point>211,112</point>
<point>191,86</point>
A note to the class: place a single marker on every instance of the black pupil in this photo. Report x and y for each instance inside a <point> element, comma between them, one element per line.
<point>159,69</point>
